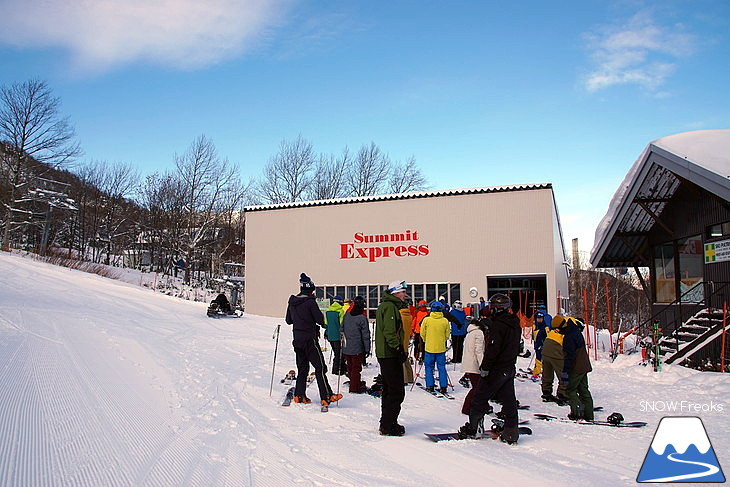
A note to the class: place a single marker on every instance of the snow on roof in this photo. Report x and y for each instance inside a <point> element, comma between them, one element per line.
<point>701,156</point>
<point>402,196</point>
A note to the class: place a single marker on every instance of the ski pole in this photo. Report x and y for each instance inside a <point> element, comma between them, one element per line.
<point>273,367</point>
<point>418,374</point>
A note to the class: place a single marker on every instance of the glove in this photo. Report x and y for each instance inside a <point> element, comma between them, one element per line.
<point>483,372</point>
<point>402,356</point>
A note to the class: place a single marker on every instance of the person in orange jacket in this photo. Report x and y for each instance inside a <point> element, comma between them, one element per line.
<point>421,312</point>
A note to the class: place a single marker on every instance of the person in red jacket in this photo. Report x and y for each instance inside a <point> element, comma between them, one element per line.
<point>421,312</point>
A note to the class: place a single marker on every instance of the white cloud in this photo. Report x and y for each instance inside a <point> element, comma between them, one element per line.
<point>637,52</point>
<point>103,34</point>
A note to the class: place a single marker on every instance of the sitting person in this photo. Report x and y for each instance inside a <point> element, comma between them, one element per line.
<point>222,301</point>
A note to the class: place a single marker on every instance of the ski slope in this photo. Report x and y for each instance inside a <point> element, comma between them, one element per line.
<point>105,383</point>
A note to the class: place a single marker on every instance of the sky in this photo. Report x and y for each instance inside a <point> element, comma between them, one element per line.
<point>480,93</point>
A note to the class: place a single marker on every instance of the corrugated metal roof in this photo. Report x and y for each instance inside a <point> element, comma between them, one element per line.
<point>702,157</point>
<point>402,196</point>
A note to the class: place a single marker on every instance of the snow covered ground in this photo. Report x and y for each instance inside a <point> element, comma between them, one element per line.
<point>108,383</point>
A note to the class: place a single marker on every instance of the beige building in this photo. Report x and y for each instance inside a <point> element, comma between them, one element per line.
<point>462,244</point>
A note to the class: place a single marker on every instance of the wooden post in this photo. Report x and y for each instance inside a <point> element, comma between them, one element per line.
<point>608,313</point>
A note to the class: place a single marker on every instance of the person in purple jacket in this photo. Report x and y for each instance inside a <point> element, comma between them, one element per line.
<point>303,313</point>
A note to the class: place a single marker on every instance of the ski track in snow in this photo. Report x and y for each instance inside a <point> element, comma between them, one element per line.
<point>108,384</point>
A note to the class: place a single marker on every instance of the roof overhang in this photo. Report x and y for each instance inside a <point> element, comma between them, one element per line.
<point>701,157</point>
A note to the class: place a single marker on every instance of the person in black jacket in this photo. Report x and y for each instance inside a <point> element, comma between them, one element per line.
<point>303,313</point>
<point>498,372</point>
<point>576,366</point>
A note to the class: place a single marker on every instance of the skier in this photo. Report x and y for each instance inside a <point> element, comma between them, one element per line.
<point>553,360</point>
<point>476,337</point>
<point>435,332</point>
<point>458,331</point>
<point>356,330</point>
<point>303,313</point>
<point>421,313</point>
<point>575,371</point>
<point>391,355</point>
<point>498,372</point>
<point>334,315</point>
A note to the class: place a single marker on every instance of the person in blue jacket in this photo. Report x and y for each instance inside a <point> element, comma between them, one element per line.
<point>458,331</point>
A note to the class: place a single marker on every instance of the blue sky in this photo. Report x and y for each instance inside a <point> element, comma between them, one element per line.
<point>481,93</point>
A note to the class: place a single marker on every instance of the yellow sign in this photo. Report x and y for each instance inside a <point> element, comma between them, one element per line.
<point>717,251</point>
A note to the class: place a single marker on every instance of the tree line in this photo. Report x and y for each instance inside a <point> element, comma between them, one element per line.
<point>191,213</point>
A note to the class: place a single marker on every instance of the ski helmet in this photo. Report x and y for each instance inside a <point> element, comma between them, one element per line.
<point>359,301</point>
<point>437,306</point>
<point>500,302</point>
<point>458,304</point>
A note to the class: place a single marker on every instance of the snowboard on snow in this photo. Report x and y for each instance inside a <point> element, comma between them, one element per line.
<point>629,424</point>
<point>524,430</point>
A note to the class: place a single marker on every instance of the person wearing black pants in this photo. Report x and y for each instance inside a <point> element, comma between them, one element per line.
<point>498,372</point>
<point>391,355</point>
<point>303,313</point>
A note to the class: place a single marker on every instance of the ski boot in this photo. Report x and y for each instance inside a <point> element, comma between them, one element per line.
<point>302,400</point>
<point>444,390</point>
<point>509,436</point>
<point>464,381</point>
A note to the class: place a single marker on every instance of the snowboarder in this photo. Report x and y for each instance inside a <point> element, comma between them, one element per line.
<point>303,313</point>
<point>498,372</point>
<point>476,337</point>
<point>356,330</point>
<point>435,332</point>
<point>391,355</point>
<point>553,361</point>
<point>575,371</point>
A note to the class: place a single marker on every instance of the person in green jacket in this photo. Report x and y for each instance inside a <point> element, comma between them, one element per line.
<point>334,316</point>
<point>391,355</point>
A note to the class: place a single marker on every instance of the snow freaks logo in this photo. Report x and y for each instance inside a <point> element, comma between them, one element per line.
<point>371,253</point>
<point>681,452</point>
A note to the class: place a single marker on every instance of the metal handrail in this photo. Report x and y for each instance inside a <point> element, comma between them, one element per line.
<point>705,300</point>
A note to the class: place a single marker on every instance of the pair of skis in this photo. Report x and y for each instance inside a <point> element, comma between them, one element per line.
<point>436,393</point>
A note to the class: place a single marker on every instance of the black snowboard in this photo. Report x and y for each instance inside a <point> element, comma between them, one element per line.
<point>524,430</point>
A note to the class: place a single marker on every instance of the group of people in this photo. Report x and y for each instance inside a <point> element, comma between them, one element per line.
<point>488,348</point>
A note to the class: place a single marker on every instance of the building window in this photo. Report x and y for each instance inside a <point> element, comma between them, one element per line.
<point>719,230</point>
<point>664,271</point>
<point>691,261</point>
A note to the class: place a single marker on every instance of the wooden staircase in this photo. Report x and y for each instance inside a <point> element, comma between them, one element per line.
<point>691,337</point>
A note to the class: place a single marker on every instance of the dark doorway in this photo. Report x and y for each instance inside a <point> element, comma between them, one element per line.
<point>526,292</point>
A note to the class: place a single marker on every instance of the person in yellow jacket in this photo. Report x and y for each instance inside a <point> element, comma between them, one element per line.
<point>435,330</point>
<point>553,360</point>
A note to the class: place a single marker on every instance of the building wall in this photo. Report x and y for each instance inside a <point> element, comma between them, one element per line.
<point>468,237</point>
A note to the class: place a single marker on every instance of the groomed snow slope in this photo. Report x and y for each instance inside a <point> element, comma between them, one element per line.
<point>107,383</point>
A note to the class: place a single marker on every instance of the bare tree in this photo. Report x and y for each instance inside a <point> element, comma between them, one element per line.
<point>205,179</point>
<point>405,177</point>
<point>370,171</point>
<point>287,175</point>
<point>330,176</point>
<point>31,126</point>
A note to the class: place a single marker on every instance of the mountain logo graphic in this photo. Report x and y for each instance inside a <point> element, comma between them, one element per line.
<point>681,452</point>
